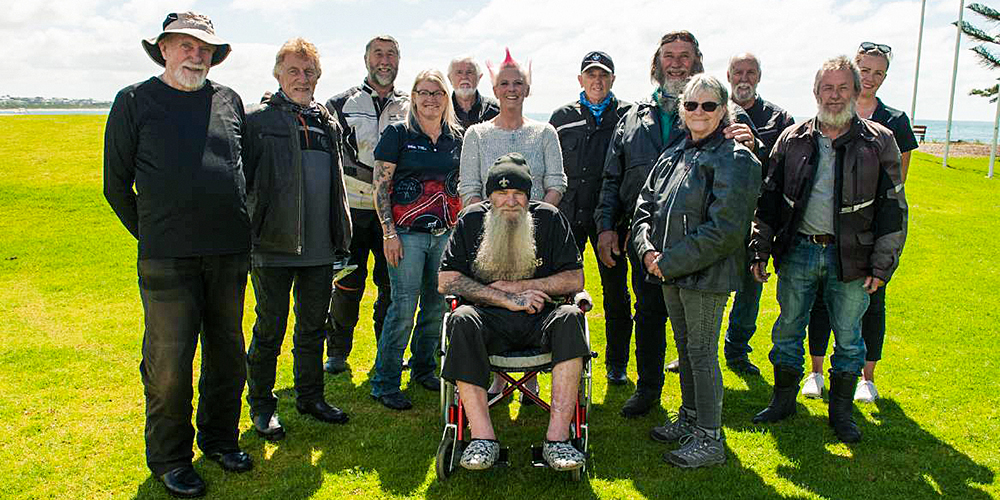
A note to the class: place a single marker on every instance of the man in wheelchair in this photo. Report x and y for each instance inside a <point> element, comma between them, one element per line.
<point>511,260</point>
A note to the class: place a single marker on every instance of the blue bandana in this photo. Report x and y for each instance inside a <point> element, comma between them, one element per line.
<point>596,109</point>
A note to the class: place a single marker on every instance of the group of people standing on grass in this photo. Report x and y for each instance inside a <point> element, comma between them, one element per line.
<point>695,188</point>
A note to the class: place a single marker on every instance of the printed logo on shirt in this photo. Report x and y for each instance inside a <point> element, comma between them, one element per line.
<point>406,190</point>
<point>417,147</point>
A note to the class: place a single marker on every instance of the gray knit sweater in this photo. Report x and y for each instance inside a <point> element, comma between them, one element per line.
<point>537,141</point>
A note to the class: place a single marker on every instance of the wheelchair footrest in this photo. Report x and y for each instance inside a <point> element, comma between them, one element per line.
<point>537,460</point>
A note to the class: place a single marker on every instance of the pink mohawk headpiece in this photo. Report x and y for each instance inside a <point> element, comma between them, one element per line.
<point>508,62</point>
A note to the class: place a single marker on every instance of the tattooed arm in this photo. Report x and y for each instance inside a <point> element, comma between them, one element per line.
<point>383,207</point>
<point>456,283</point>
<point>568,282</point>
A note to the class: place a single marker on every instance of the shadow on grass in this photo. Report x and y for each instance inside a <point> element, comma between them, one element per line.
<point>395,452</point>
<point>895,459</point>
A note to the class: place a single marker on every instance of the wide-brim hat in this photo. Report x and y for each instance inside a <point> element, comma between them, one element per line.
<point>192,24</point>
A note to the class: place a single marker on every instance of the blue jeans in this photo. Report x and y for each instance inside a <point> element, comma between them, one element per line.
<point>413,281</point>
<point>743,317</point>
<point>807,268</point>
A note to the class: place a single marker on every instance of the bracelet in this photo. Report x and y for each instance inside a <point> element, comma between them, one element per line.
<point>387,237</point>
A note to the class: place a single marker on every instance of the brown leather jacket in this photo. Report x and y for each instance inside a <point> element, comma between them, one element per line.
<point>870,222</point>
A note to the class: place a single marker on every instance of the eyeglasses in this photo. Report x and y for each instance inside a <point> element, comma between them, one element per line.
<point>431,93</point>
<point>708,106</point>
<point>881,47</point>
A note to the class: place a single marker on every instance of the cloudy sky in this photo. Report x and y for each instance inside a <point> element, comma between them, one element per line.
<point>90,48</point>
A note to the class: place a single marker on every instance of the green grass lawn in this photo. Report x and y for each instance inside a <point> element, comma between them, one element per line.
<point>71,410</point>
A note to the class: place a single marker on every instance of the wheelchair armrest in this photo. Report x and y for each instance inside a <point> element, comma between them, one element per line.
<point>584,301</point>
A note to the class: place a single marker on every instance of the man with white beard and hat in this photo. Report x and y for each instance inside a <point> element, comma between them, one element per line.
<point>173,174</point>
<point>833,216</point>
<point>511,259</point>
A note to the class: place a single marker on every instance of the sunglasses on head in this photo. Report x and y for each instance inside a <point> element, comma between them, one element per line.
<point>679,35</point>
<point>708,106</point>
<point>881,47</point>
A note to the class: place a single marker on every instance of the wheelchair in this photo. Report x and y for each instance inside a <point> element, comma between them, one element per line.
<point>528,364</point>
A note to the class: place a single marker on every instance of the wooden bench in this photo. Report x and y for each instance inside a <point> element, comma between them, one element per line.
<point>920,131</point>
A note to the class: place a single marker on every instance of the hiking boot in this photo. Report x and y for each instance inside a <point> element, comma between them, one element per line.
<point>674,428</point>
<point>698,450</point>
<point>480,454</point>
<point>562,455</point>
<point>842,406</point>
<point>813,386</point>
<point>866,392</point>
<point>782,405</point>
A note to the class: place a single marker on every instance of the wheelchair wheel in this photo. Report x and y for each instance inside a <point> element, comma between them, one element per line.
<point>443,462</point>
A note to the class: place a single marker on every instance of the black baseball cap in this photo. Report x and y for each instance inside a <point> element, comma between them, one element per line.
<point>599,59</point>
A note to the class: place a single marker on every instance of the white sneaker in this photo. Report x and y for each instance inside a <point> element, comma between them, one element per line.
<point>866,392</point>
<point>813,386</point>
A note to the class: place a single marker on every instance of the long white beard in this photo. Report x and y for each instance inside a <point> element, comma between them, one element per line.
<point>506,249</point>
<point>836,120</point>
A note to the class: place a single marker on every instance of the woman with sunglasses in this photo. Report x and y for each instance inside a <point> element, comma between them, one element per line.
<point>690,221</point>
<point>416,197</point>
<point>873,62</point>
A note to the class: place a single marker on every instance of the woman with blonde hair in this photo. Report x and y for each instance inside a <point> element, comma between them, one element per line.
<point>416,197</point>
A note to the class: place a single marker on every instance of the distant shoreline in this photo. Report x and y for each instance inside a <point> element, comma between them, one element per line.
<point>52,111</point>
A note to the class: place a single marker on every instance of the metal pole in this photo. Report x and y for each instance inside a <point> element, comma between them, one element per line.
<point>916,72</point>
<point>993,147</point>
<point>954,77</point>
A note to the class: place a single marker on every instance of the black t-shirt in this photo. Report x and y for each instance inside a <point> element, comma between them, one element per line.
<point>424,193</point>
<point>555,250</point>
<point>896,121</point>
<point>182,153</point>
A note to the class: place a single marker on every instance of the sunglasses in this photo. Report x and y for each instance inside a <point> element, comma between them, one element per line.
<point>708,106</point>
<point>679,35</point>
<point>881,47</point>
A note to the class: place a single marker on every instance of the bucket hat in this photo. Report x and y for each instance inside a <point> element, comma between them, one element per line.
<point>187,23</point>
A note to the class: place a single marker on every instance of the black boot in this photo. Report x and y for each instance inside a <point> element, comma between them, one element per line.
<point>782,405</point>
<point>842,386</point>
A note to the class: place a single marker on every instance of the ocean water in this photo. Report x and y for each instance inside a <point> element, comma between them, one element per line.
<point>968,131</point>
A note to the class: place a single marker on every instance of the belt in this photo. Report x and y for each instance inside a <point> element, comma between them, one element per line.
<point>428,230</point>
<point>820,239</point>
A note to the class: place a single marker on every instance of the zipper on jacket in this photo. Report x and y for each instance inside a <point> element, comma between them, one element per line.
<point>685,219</point>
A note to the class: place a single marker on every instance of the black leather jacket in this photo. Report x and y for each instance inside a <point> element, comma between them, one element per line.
<point>635,147</point>
<point>695,209</point>
<point>584,146</point>
<point>273,164</point>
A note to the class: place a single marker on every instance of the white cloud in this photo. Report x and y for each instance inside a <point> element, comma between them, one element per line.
<point>90,48</point>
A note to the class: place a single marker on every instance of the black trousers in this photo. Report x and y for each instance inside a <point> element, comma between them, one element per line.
<point>182,298</point>
<point>271,286</point>
<point>475,332</point>
<point>617,301</point>
<point>872,327</point>
<point>650,328</point>
<point>345,303</point>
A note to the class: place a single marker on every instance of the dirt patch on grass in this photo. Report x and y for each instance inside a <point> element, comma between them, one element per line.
<point>957,149</point>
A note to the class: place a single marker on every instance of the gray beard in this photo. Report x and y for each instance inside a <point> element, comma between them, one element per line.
<point>836,120</point>
<point>670,91</point>
<point>506,249</point>
<point>465,93</point>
